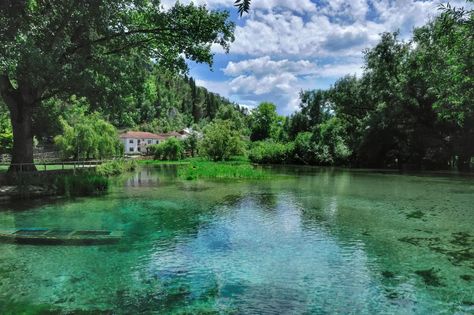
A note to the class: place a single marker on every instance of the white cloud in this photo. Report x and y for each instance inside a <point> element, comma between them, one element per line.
<point>284,46</point>
<point>299,6</point>
<point>265,65</point>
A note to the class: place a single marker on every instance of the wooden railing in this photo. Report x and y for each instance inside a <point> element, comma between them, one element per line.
<point>54,165</point>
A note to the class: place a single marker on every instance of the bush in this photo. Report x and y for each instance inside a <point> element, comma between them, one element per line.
<point>116,167</point>
<point>169,150</point>
<point>221,141</point>
<point>268,152</point>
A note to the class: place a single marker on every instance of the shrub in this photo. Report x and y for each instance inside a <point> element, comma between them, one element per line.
<point>170,150</point>
<point>268,152</point>
<point>116,167</point>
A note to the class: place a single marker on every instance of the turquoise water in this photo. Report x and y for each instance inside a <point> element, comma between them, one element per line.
<point>309,241</point>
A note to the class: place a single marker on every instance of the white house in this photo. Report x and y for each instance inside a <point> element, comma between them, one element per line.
<point>135,142</point>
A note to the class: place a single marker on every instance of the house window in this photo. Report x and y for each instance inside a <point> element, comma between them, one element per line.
<point>138,149</point>
<point>149,141</point>
<point>130,141</point>
<point>157,141</point>
<point>131,149</point>
<point>139,141</point>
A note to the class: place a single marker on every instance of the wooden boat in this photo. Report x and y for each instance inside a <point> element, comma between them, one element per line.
<point>39,236</point>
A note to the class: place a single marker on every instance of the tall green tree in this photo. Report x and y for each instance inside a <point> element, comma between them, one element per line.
<point>87,136</point>
<point>64,47</point>
<point>221,141</point>
<point>265,122</point>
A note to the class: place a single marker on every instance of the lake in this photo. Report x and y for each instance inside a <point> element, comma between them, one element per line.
<point>308,241</point>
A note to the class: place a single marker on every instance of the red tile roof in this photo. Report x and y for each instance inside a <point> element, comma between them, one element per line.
<point>142,135</point>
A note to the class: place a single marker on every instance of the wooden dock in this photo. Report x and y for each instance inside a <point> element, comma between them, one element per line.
<point>40,236</point>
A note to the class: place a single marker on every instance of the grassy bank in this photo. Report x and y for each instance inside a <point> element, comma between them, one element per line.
<point>235,169</point>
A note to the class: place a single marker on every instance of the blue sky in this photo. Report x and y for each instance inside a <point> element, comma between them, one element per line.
<point>285,46</point>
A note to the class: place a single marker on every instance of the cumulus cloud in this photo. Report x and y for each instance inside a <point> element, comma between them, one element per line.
<point>265,65</point>
<point>284,46</point>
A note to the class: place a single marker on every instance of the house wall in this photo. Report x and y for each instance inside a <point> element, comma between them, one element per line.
<point>131,145</point>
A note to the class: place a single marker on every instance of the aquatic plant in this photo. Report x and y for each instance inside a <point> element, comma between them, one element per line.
<point>430,277</point>
<point>467,277</point>
<point>415,215</point>
<point>238,170</point>
<point>388,274</point>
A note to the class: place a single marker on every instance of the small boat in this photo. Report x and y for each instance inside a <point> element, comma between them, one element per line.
<point>39,236</point>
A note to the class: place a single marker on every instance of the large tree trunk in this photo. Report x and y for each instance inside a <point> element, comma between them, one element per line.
<point>20,102</point>
<point>22,153</point>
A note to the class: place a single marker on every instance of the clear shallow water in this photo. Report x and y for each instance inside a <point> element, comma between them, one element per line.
<point>311,241</point>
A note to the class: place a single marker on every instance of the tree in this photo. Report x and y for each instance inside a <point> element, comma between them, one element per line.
<point>264,122</point>
<point>87,136</point>
<point>64,47</point>
<point>445,53</point>
<point>220,141</point>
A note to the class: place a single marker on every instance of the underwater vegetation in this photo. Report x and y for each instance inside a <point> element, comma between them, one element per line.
<point>415,215</point>
<point>458,250</point>
<point>430,277</point>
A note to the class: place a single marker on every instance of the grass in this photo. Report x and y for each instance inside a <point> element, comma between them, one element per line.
<point>52,167</point>
<point>235,169</point>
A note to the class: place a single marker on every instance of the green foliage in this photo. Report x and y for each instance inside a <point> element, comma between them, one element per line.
<point>221,141</point>
<point>6,133</point>
<point>269,152</point>
<point>87,136</point>
<point>221,170</point>
<point>243,6</point>
<point>411,108</point>
<point>265,122</point>
<point>171,149</point>
<point>331,148</point>
<point>116,167</point>
<point>191,144</point>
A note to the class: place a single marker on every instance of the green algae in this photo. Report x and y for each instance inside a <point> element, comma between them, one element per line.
<point>467,277</point>
<point>388,274</point>
<point>415,215</point>
<point>430,277</point>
